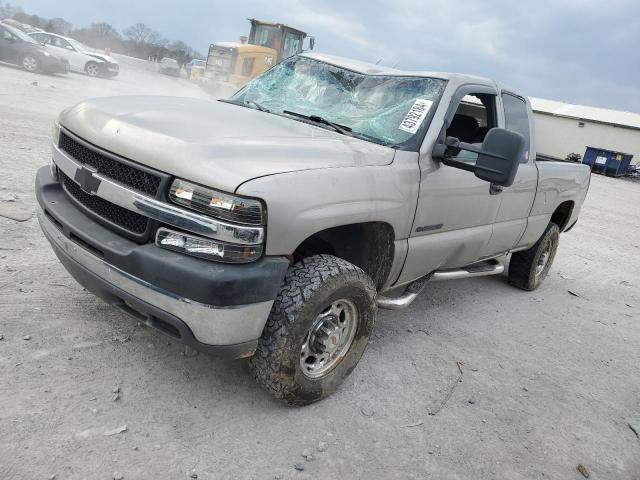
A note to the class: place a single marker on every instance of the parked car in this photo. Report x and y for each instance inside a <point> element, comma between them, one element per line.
<point>169,66</point>
<point>20,49</point>
<point>274,224</point>
<point>80,56</point>
<point>198,64</point>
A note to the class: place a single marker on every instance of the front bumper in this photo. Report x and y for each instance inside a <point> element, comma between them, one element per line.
<point>112,70</point>
<point>154,285</point>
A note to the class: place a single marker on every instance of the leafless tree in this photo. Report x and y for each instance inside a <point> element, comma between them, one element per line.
<point>60,26</point>
<point>137,33</point>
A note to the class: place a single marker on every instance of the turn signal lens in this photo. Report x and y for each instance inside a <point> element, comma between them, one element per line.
<point>206,248</point>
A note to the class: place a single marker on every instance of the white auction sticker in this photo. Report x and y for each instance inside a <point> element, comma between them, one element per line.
<point>416,115</point>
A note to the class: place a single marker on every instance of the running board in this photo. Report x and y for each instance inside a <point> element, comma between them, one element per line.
<point>480,269</point>
<point>407,298</point>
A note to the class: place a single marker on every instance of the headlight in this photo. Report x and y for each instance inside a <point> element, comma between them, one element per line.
<point>217,204</point>
<point>245,213</point>
<point>207,248</point>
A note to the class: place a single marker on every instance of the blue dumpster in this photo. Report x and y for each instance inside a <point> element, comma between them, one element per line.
<point>607,162</point>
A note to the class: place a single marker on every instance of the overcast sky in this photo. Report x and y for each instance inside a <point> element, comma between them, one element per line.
<point>578,51</point>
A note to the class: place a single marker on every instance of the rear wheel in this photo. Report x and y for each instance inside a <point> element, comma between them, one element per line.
<point>317,331</point>
<point>30,62</point>
<point>529,268</point>
<point>92,69</point>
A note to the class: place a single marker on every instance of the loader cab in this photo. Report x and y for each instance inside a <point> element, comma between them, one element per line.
<point>235,63</point>
<point>285,41</point>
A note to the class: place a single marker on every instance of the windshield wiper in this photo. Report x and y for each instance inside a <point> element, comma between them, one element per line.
<point>249,103</point>
<point>343,129</point>
<point>257,106</point>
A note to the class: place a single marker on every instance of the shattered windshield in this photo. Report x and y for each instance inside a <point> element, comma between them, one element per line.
<point>390,110</point>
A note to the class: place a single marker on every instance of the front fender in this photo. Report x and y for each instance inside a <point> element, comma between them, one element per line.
<point>302,203</point>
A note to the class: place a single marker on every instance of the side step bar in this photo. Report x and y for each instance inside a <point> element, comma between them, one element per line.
<point>480,269</point>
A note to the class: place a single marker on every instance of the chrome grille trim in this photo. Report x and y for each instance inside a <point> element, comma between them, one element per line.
<point>137,202</point>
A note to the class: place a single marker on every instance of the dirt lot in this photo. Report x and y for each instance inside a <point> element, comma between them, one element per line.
<point>550,379</point>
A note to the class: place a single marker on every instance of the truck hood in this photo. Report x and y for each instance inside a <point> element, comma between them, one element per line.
<point>214,143</point>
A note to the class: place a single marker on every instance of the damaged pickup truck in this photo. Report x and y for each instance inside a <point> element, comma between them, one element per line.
<point>272,225</point>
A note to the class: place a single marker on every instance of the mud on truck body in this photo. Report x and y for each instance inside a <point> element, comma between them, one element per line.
<point>272,225</point>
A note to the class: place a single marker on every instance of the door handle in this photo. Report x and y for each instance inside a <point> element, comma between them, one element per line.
<point>495,189</point>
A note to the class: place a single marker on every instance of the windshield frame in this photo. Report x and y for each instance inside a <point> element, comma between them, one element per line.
<point>412,144</point>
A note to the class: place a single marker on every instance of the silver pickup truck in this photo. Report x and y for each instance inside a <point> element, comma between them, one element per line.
<point>272,225</point>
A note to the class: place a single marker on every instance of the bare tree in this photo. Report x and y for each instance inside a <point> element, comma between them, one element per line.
<point>60,26</point>
<point>99,35</point>
<point>104,30</point>
<point>138,33</point>
<point>9,11</point>
<point>156,39</point>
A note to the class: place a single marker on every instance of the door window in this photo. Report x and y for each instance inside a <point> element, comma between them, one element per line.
<point>6,35</point>
<point>474,117</point>
<point>61,42</point>
<point>516,118</point>
<point>41,37</point>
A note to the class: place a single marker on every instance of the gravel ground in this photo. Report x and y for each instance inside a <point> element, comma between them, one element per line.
<point>475,380</point>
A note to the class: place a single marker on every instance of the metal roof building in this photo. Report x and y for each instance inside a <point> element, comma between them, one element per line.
<point>563,128</point>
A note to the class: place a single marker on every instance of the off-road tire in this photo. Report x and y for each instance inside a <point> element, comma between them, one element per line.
<point>308,287</point>
<point>522,268</point>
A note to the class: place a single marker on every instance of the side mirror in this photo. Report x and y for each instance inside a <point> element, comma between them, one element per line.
<point>69,47</point>
<point>498,157</point>
<point>312,42</point>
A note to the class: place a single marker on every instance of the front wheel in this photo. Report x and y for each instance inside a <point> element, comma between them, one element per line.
<point>30,63</point>
<point>529,268</point>
<point>317,331</point>
<point>92,69</point>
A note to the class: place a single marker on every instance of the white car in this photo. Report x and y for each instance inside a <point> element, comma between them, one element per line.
<point>81,57</point>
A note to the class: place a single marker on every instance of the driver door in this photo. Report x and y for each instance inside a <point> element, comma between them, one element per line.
<point>8,50</point>
<point>65,50</point>
<point>456,210</point>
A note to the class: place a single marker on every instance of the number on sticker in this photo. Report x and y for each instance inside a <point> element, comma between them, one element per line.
<point>416,115</point>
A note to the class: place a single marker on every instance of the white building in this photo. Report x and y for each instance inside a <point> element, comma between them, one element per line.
<point>562,128</point>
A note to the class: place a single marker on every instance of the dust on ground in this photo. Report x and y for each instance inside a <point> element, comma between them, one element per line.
<point>535,384</point>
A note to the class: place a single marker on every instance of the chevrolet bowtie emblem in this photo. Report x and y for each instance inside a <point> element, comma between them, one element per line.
<point>84,177</point>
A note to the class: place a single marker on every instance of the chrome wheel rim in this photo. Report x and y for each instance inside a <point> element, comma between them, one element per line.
<point>329,339</point>
<point>29,63</point>
<point>543,260</point>
<point>92,70</point>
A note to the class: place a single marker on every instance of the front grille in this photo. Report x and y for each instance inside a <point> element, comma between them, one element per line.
<point>135,178</point>
<point>115,214</point>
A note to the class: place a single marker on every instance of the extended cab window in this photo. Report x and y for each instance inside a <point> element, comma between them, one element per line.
<point>474,117</point>
<point>516,118</point>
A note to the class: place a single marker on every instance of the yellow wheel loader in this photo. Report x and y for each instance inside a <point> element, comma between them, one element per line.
<point>230,65</point>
